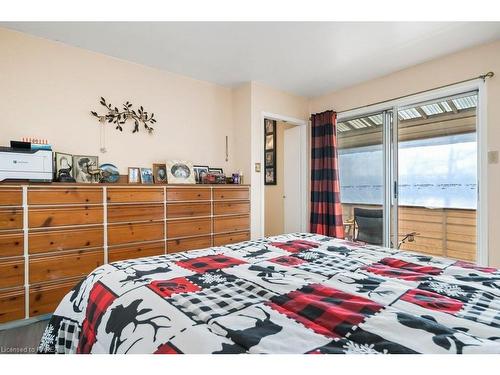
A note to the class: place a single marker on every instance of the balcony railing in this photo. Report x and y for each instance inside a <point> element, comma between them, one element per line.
<point>442,231</point>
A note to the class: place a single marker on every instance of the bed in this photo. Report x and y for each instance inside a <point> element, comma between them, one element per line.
<point>294,293</point>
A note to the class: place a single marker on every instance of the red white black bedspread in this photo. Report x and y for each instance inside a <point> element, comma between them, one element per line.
<point>296,293</point>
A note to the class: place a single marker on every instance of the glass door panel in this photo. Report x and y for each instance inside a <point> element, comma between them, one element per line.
<point>437,178</point>
<point>362,165</point>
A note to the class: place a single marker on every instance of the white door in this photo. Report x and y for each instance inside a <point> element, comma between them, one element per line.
<point>291,188</point>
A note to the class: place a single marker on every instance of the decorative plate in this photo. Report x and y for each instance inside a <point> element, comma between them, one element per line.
<point>110,173</point>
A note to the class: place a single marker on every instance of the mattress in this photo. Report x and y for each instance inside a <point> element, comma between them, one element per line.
<point>294,293</point>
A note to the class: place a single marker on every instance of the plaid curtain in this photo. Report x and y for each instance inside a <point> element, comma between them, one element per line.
<point>326,210</point>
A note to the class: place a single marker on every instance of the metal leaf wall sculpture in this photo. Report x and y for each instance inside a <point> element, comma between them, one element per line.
<point>119,118</point>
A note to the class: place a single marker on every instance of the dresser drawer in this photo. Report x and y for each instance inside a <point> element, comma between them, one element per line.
<point>11,305</point>
<point>67,239</point>
<point>228,208</point>
<point>188,194</point>
<point>231,193</point>
<point>11,244</point>
<point>44,299</point>
<point>136,232</point>
<point>184,228</point>
<point>135,212</point>
<point>64,196</point>
<point>231,224</point>
<point>54,267</point>
<point>11,196</point>
<point>134,195</point>
<point>136,251</point>
<point>184,244</point>
<point>226,239</point>
<point>62,216</point>
<point>11,273</point>
<point>179,210</point>
<point>11,218</point>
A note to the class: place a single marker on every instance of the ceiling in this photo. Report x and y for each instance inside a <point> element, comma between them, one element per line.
<point>305,58</point>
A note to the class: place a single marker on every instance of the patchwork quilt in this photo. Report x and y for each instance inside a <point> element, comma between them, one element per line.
<point>294,293</point>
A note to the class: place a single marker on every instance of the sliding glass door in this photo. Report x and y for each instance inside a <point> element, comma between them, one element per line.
<point>409,180</point>
<point>437,177</point>
<point>362,173</point>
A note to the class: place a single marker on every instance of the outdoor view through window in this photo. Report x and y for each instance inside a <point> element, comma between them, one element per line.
<point>437,174</point>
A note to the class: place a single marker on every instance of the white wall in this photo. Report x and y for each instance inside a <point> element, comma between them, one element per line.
<point>47,90</point>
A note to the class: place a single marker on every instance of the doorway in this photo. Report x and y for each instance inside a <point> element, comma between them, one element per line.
<point>285,200</point>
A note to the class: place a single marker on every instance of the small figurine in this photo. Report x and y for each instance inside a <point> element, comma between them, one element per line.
<point>94,171</point>
<point>64,175</point>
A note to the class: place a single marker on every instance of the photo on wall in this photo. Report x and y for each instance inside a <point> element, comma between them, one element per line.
<point>270,142</point>
<point>269,158</point>
<point>270,178</point>
<point>269,126</point>
<point>270,151</point>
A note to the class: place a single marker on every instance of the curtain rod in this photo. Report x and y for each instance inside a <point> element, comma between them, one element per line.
<point>482,76</point>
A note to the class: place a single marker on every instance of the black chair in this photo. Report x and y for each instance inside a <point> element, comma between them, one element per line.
<point>369,226</point>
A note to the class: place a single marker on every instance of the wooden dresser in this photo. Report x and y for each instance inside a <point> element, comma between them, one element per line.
<point>51,235</point>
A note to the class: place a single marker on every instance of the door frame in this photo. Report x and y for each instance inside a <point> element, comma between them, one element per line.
<point>302,170</point>
<point>478,85</point>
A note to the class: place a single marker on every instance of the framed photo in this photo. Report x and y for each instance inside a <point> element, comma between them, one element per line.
<point>216,170</point>
<point>134,175</point>
<point>269,126</point>
<point>160,173</point>
<point>63,163</point>
<point>269,142</point>
<point>270,177</point>
<point>146,175</point>
<point>199,172</point>
<point>270,152</point>
<point>83,165</point>
<point>180,172</point>
<point>269,158</point>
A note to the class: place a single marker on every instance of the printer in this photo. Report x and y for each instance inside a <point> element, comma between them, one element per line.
<point>26,164</point>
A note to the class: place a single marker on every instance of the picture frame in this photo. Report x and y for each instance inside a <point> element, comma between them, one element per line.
<point>270,178</point>
<point>199,172</point>
<point>269,162</point>
<point>160,173</point>
<point>82,164</point>
<point>63,161</point>
<point>269,126</point>
<point>270,146</point>
<point>134,175</point>
<point>269,142</point>
<point>180,172</point>
<point>146,176</point>
<point>216,170</point>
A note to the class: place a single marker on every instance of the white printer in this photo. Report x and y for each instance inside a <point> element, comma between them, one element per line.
<point>25,164</point>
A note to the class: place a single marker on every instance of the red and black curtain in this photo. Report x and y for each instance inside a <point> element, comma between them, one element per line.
<point>326,210</point>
